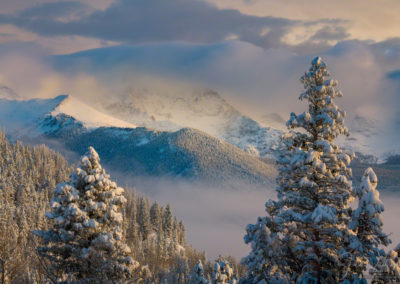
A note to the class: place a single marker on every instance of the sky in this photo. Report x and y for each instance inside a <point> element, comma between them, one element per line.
<point>252,52</point>
<point>68,26</point>
<point>268,45</point>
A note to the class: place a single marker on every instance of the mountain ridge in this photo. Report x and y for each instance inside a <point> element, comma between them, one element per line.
<point>137,151</point>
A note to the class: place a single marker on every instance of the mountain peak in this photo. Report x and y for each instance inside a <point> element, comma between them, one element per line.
<point>23,115</point>
<point>89,116</point>
<point>62,97</point>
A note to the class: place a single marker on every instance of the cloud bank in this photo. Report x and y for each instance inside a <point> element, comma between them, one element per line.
<point>136,21</point>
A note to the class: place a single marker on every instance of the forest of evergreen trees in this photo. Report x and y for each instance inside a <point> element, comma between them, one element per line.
<point>64,224</point>
<point>29,177</point>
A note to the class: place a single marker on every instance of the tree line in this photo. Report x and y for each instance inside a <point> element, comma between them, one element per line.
<point>43,200</point>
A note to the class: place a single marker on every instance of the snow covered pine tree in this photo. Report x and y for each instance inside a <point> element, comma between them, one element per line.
<point>86,244</point>
<point>198,274</point>
<point>367,224</point>
<point>306,238</point>
<point>223,272</point>
<point>387,270</point>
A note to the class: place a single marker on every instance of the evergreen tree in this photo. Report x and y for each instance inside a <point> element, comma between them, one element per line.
<point>175,230</point>
<point>130,214</point>
<point>86,243</point>
<point>181,270</point>
<point>155,217</point>
<point>270,260</point>
<point>28,178</point>
<point>168,222</point>
<point>181,234</point>
<point>144,218</point>
<point>314,191</point>
<point>10,245</point>
<point>367,224</point>
<point>223,272</point>
<point>387,270</point>
<point>27,174</point>
<point>198,274</point>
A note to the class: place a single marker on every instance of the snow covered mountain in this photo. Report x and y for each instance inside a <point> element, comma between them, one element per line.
<point>66,123</point>
<point>227,67</point>
<point>201,109</point>
<point>193,136</point>
<point>30,117</point>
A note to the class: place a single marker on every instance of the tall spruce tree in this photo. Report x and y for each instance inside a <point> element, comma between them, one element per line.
<point>367,224</point>
<point>310,219</point>
<point>86,244</point>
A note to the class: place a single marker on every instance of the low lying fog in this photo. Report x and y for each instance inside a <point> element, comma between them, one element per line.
<point>216,218</point>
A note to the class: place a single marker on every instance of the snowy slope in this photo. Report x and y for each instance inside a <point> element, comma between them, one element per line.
<point>207,111</point>
<point>203,109</point>
<point>90,117</point>
<point>71,126</point>
<point>25,117</point>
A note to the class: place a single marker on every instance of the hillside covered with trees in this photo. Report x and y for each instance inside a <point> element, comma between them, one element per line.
<point>31,178</point>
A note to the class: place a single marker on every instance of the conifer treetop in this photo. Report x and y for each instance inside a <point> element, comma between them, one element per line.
<point>324,119</point>
<point>198,274</point>
<point>86,241</point>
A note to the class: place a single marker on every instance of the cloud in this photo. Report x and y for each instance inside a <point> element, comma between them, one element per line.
<point>62,10</point>
<point>303,26</point>
<point>12,35</point>
<point>363,19</point>
<point>255,81</point>
<point>15,6</point>
<point>329,33</point>
<point>136,21</point>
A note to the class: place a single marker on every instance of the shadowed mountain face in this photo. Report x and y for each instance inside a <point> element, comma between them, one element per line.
<point>187,153</point>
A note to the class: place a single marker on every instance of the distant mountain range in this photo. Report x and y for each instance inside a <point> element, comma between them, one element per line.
<point>70,125</point>
<point>202,109</point>
<point>197,136</point>
<point>371,131</point>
